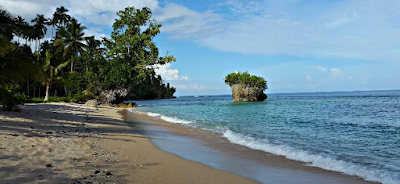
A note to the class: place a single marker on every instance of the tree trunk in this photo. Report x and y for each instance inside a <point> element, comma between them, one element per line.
<point>40,87</point>
<point>72,64</point>
<point>27,87</point>
<point>47,92</point>
<point>34,91</point>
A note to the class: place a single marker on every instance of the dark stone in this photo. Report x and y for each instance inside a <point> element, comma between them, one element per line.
<point>262,97</point>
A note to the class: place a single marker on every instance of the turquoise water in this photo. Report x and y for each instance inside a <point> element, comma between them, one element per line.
<point>356,133</point>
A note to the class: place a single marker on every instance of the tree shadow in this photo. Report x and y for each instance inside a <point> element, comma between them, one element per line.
<point>60,121</point>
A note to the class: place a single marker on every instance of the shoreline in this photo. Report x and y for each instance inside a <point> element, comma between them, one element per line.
<point>295,169</point>
<point>71,143</point>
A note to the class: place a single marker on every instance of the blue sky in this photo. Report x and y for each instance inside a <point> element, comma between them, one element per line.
<point>297,45</point>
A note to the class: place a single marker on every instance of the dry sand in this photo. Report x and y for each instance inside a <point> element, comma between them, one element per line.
<point>70,143</point>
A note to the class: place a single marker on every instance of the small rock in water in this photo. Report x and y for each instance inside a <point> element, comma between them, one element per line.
<point>15,135</point>
<point>96,172</point>
<point>49,132</point>
<point>49,165</point>
<point>108,174</point>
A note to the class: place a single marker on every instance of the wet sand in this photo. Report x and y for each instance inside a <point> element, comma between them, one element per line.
<point>70,143</point>
<point>215,151</point>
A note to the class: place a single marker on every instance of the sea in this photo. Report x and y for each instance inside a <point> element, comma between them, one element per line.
<point>355,133</point>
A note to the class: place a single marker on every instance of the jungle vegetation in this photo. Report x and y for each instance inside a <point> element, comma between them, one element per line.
<point>73,66</point>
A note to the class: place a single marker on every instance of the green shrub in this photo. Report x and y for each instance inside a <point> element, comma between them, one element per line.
<point>245,79</point>
<point>75,98</point>
<point>8,101</point>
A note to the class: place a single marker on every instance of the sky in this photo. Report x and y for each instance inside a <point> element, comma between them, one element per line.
<point>296,45</point>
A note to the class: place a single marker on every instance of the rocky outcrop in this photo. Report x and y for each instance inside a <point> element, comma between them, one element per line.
<point>115,96</point>
<point>244,93</point>
<point>92,103</point>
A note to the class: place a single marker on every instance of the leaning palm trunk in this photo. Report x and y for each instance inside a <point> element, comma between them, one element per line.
<point>47,92</point>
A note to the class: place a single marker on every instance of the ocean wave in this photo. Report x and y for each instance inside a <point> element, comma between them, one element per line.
<point>166,118</point>
<point>321,161</point>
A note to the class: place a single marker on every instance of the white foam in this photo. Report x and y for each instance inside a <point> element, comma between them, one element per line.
<point>321,161</point>
<point>165,118</point>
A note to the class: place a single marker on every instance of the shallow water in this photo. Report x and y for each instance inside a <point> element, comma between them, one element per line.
<point>357,133</point>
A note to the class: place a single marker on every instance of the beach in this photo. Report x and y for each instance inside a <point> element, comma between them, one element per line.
<point>71,143</point>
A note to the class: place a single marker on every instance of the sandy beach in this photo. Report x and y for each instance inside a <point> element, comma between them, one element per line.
<point>70,143</point>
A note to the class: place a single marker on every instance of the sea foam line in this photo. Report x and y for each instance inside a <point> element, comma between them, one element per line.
<point>324,162</point>
<point>163,117</point>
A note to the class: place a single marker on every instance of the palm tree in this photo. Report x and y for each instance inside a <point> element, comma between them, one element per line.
<point>51,71</point>
<point>23,25</point>
<point>70,40</point>
<point>52,22</point>
<point>93,46</point>
<point>10,26</point>
<point>29,35</point>
<point>40,27</point>
<point>61,17</point>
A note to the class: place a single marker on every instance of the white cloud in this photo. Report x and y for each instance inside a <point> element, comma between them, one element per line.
<point>309,78</point>
<point>336,71</point>
<point>182,22</point>
<point>28,9</point>
<point>97,32</point>
<point>319,68</point>
<point>365,29</point>
<point>342,21</point>
<point>169,74</point>
<point>192,87</point>
<point>104,11</point>
<point>243,8</point>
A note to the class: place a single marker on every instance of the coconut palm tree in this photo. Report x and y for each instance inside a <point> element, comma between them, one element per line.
<point>71,40</point>
<point>93,47</point>
<point>40,27</point>
<point>60,17</point>
<point>10,26</point>
<point>52,71</point>
<point>92,44</point>
<point>29,35</point>
<point>53,23</point>
<point>7,25</point>
<point>23,25</point>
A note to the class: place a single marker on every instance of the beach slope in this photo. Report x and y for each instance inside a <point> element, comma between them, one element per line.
<point>70,143</point>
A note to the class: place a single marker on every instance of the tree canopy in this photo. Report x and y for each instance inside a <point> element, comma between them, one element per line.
<point>246,79</point>
<point>125,60</point>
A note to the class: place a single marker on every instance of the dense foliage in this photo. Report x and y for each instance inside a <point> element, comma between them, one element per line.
<point>72,65</point>
<point>246,79</point>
